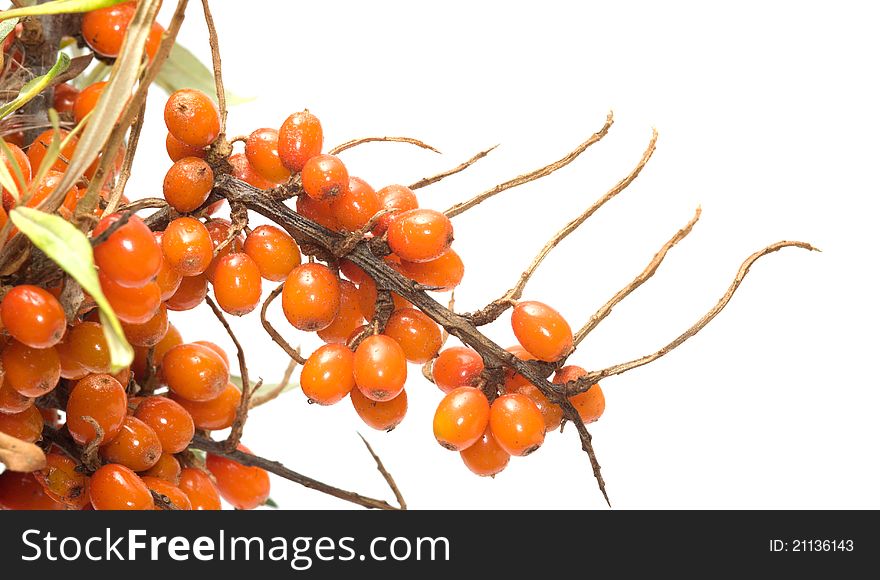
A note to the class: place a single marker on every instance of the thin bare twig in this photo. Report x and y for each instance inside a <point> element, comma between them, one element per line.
<point>355,142</point>
<point>425,181</point>
<point>264,396</point>
<point>217,65</point>
<point>292,352</point>
<point>649,271</point>
<point>122,180</point>
<point>536,174</point>
<point>145,203</point>
<point>385,474</point>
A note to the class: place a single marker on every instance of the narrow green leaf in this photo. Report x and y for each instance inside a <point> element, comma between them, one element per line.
<point>58,7</point>
<point>6,27</point>
<point>6,178</point>
<point>36,85</point>
<point>183,70</point>
<point>70,249</point>
<point>270,503</point>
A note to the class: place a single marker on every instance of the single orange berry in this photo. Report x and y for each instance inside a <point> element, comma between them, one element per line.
<point>347,319</point>
<point>551,412</point>
<point>136,446</point>
<point>187,246</point>
<point>33,316</point>
<point>513,379</point>
<point>237,284</point>
<point>311,297</point>
<point>37,150</point>
<point>216,348</point>
<point>199,488</point>
<point>192,117</point>
<point>172,423</point>
<point>591,403</point>
<point>20,491</point>
<point>324,177</point>
<point>168,279</point>
<point>354,207</point>
<point>167,468</point>
<point>461,418</point>
<point>443,273</point>
<point>102,398</point>
<point>131,256</point>
<point>174,494</point>
<point>367,294</point>
<point>190,293</point>
<point>396,199</point>
<point>220,230</point>
<point>328,374</point>
<point>63,482</point>
<point>177,149</point>
<point>30,371</point>
<point>379,368</point>
<point>274,252</point>
<point>64,98</point>
<point>116,487</point>
<point>416,333</point>
<point>244,487</point>
<point>132,305</point>
<point>299,139</point>
<point>11,401</point>
<point>104,29</point>
<point>194,372</point>
<point>86,101</point>
<point>243,170</point>
<point>83,351</point>
<point>517,424</point>
<point>218,413</point>
<point>380,415</point>
<point>261,150</point>
<point>188,184</point>
<point>420,235</point>
<point>457,366</point>
<point>26,425</point>
<point>150,332</point>
<point>320,212</point>
<point>541,330</point>
<point>485,457</point>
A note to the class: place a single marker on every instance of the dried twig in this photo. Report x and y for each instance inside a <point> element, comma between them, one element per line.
<point>216,63</point>
<point>425,181</point>
<point>292,352</point>
<point>122,180</point>
<point>355,142</point>
<point>263,396</point>
<point>388,478</point>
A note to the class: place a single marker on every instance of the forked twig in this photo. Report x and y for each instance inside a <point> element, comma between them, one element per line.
<point>264,396</point>
<point>355,142</point>
<point>425,181</point>
<point>292,352</point>
<point>385,474</point>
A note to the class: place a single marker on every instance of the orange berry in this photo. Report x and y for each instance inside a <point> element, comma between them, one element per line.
<point>177,149</point>
<point>136,446</point>
<point>37,151</point>
<point>461,418</point>
<point>320,212</point>
<point>379,368</point>
<point>512,379</point>
<point>243,170</point>
<point>172,423</point>
<point>444,273</point>
<point>30,371</point>
<point>347,319</point>
<point>102,398</point>
<point>324,177</point>
<point>591,403</point>
<point>20,491</point>
<point>86,101</point>
<point>485,457</point>
<point>261,150</point>
<point>199,488</point>
<point>64,98</point>
<point>167,468</point>
<point>299,139</point>
<point>62,482</point>
<point>551,412</point>
<point>139,365</point>
<point>237,284</point>
<point>104,29</point>
<point>33,316</point>
<point>19,160</point>
<point>420,235</point>
<point>192,117</point>
<point>46,186</point>
<point>194,372</point>
<point>187,245</point>
<point>190,293</point>
<point>220,229</point>
<point>150,332</point>
<point>328,374</point>
<point>116,487</point>
<point>26,425</point>
<point>188,184</point>
<point>517,424</point>
<point>354,207</point>
<point>244,487</point>
<point>311,297</point>
<point>541,330</point>
<point>168,279</point>
<point>380,415</point>
<point>175,495</point>
<point>215,414</point>
<point>11,401</point>
<point>457,366</point>
<point>132,305</point>
<point>216,348</point>
<point>131,256</point>
<point>396,199</point>
<point>274,252</point>
<point>83,351</point>
<point>367,294</point>
<point>416,333</point>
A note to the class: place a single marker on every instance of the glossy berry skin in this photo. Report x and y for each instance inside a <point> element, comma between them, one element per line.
<point>86,100</point>
<point>131,256</point>
<point>443,273</point>
<point>33,316</point>
<point>62,482</point>
<point>177,149</point>
<point>132,305</point>
<point>216,414</point>
<point>46,186</point>
<point>261,150</point>
<point>380,415</point>
<point>150,332</point>
<point>457,366</point>
<point>551,412</point>
<point>328,374</point>
<point>244,487</point>
<point>172,423</point>
<point>30,371</point>
<point>199,488</point>
<point>20,491</point>
<point>190,293</point>
<point>512,379</point>
<point>171,339</point>
<point>194,372</point>
<point>396,199</point>
<point>83,351</point>
<point>416,333</point>
<point>311,297</point>
<point>237,284</point>
<point>167,468</point>
<point>192,117</point>
<point>26,425</point>
<point>168,279</point>
<point>116,487</point>
<point>461,418</point>
<point>485,457</point>
<point>37,150</point>
<point>175,495</point>
<point>136,446</point>
<point>347,319</point>
<point>216,348</point>
<point>354,208</point>
<point>220,230</point>
<point>274,252</point>
<point>104,29</point>
<point>320,212</point>
<point>517,424</point>
<point>63,99</point>
<point>187,246</point>
<point>300,138</point>
<point>324,177</point>
<point>243,170</point>
<point>420,235</point>
<point>187,184</point>
<point>11,401</point>
<point>541,330</point>
<point>590,404</point>
<point>19,160</point>
<point>102,398</point>
<point>379,368</point>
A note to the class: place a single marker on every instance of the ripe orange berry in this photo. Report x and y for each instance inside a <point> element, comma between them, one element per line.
<point>100,397</point>
<point>192,117</point>
<point>551,412</point>
<point>590,404</point>
<point>37,150</point>
<point>379,368</point>
<point>237,284</point>
<point>104,29</point>
<point>154,39</point>
<point>457,366</point>
<point>324,177</point>
<point>299,139</point>
<point>187,245</point>
<point>11,401</point>
<point>396,199</point>
<point>163,487</point>
<point>328,374</point>
<point>136,446</point>
<point>30,371</point>
<point>18,161</point>
<point>150,332</point>
<point>311,297</point>
<point>244,487</point>
<point>216,348</point>
<point>62,482</point>
<point>47,185</point>
<point>218,413</point>
<point>461,418</point>
<point>132,305</point>
<point>187,184</point>
<point>219,229</point>
<point>168,279</point>
<point>86,101</point>
<point>20,491</point>
<point>172,423</point>
<point>167,468</point>
<point>485,457</point>
<point>190,293</point>
<point>512,379</point>
<point>320,212</point>
<point>83,351</point>
<point>354,207</point>
<point>33,316</point>
<point>64,98</point>
<point>131,256</point>
<point>444,273</point>
<point>139,365</point>
<point>261,150</point>
<point>517,424</point>
<point>116,487</point>
<point>347,319</point>
<point>26,425</point>
<point>416,333</point>
<point>380,415</point>
<point>199,488</point>
<point>420,235</point>
<point>367,294</point>
<point>177,149</point>
<point>541,330</point>
<point>274,252</point>
<point>243,170</point>
<point>194,372</point>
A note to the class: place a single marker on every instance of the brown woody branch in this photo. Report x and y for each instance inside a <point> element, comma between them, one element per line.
<point>355,142</point>
<point>457,169</point>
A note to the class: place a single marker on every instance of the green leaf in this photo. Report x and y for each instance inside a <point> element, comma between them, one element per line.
<point>58,7</point>
<point>6,178</point>
<point>270,503</point>
<point>36,85</point>
<point>184,70</point>
<point>71,250</point>
<point>6,27</point>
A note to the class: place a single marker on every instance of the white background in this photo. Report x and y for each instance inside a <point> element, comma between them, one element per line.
<point>768,118</point>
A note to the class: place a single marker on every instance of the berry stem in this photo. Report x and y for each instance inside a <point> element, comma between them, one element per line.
<point>355,142</point>
<point>425,181</point>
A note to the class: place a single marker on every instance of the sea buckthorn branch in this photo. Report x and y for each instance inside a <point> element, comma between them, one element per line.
<point>292,352</point>
<point>425,181</point>
<point>355,142</point>
<point>385,474</point>
<point>217,68</point>
<point>134,136</point>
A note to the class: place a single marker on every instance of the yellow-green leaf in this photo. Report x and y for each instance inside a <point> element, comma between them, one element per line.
<point>6,27</point>
<point>36,85</point>
<point>71,250</point>
<point>6,178</point>
<point>58,7</point>
<point>183,70</point>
